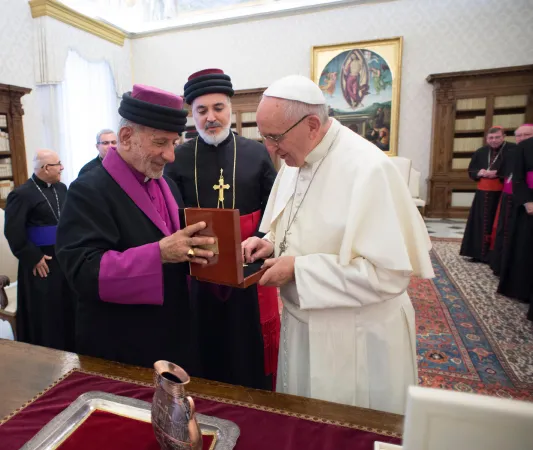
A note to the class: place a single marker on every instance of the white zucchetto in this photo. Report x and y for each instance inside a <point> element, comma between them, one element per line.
<point>298,88</point>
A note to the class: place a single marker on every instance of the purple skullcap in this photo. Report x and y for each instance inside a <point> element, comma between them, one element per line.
<point>156,96</point>
<point>153,107</point>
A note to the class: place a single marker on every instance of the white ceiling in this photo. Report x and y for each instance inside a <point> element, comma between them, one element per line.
<point>147,16</point>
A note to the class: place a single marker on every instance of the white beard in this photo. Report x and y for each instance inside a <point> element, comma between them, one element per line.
<point>216,139</point>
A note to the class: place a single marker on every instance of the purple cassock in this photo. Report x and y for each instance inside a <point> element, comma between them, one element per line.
<point>135,276</point>
<point>130,307</point>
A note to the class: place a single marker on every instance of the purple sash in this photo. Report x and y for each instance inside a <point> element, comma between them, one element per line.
<point>41,236</point>
<point>529,180</point>
<point>508,187</point>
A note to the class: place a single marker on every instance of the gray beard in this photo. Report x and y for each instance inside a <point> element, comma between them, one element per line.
<point>214,140</point>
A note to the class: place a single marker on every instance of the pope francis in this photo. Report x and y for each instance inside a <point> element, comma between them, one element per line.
<point>343,238</point>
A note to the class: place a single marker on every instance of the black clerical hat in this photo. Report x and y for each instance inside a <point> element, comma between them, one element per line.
<point>208,81</point>
<point>154,108</point>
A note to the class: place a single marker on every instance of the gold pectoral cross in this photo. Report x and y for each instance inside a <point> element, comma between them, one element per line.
<point>220,188</point>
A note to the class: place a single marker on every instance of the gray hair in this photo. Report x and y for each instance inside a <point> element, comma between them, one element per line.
<point>41,156</point>
<point>104,131</point>
<point>295,110</point>
<point>37,163</point>
<point>125,123</point>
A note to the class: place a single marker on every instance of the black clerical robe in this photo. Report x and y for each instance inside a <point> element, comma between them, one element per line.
<point>504,216</point>
<point>239,329</point>
<point>45,310</point>
<point>90,165</point>
<point>139,311</point>
<point>516,277</point>
<point>478,231</point>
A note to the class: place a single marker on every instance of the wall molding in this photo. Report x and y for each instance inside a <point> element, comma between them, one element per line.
<point>247,16</point>
<point>61,12</point>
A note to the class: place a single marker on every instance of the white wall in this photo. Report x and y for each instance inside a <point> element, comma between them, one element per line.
<point>16,66</point>
<point>18,61</point>
<point>439,36</point>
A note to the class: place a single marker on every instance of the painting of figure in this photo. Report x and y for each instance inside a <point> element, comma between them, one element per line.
<point>361,84</point>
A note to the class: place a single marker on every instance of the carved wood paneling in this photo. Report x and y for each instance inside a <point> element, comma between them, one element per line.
<point>11,106</point>
<point>448,87</point>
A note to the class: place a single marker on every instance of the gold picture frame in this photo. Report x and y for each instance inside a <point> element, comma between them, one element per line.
<point>361,82</point>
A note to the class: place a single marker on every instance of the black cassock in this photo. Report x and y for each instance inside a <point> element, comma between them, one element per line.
<point>476,240</point>
<point>90,165</point>
<point>45,306</point>
<point>504,216</point>
<point>230,334</point>
<point>516,277</point>
<point>99,216</point>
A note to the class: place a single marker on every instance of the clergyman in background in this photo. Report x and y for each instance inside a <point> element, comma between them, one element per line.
<point>105,139</point>
<point>484,169</point>
<point>501,231</point>
<point>516,280</point>
<point>45,304</point>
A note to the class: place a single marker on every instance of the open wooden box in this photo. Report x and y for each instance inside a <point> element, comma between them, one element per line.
<point>227,266</point>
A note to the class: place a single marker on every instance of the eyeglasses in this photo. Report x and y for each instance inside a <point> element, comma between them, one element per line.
<point>524,135</point>
<point>57,164</point>
<point>276,138</point>
<point>107,142</point>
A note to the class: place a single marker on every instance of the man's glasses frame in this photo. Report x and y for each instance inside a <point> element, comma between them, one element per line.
<point>276,138</point>
<point>107,142</point>
<point>57,164</point>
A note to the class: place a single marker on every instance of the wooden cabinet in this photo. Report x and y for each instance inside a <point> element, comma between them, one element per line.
<point>244,105</point>
<point>466,105</point>
<point>13,168</point>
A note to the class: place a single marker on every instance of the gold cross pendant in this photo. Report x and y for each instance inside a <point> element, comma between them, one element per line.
<point>220,187</point>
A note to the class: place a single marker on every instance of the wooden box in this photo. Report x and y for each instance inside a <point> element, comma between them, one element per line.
<point>227,266</point>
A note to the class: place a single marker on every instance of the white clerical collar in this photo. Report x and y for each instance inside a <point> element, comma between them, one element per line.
<point>147,179</point>
<point>322,148</point>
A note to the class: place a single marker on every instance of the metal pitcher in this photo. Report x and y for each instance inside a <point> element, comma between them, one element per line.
<point>173,413</point>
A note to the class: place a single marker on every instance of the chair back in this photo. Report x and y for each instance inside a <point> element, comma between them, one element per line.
<point>403,165</point>
<point>414,183</point>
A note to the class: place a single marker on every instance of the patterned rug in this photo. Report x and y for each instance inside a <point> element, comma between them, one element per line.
<point>470,339</point>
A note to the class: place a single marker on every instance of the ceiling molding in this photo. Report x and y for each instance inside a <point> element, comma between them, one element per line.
<point>248,15</point>
<point>58,11</point>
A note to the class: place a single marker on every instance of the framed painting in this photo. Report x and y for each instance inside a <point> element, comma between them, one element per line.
<point>361,82</point>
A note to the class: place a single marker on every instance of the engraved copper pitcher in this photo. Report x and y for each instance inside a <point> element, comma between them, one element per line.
<point>173,413</point>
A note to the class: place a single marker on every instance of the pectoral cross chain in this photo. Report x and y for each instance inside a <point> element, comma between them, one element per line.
<point>283,245</point>
<point>220,187</point>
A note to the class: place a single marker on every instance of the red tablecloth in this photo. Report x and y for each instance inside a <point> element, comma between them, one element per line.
<point>106,431</point>
<point>260,429</point>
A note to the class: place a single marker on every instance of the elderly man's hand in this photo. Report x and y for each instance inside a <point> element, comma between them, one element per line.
<point>41,267</point>
<point>177,247</point>
<point>280,271</point>
<point>254,248</point>
<point>529,208</point>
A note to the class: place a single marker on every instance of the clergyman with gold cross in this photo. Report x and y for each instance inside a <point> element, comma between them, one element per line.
<point>220,188</point>
<point>238,328</point>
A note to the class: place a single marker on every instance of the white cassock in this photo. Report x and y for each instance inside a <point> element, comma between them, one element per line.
<point>348,326</point>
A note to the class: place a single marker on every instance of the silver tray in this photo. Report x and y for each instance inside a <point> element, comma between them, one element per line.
<point>60,427</point>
